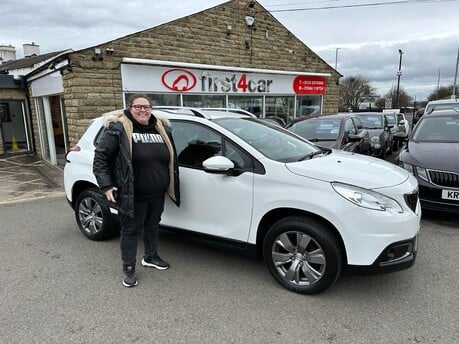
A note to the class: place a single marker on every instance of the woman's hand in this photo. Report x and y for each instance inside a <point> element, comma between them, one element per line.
<point>111,194</point>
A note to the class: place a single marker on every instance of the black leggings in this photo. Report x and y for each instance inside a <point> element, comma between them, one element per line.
<point>147,215</point>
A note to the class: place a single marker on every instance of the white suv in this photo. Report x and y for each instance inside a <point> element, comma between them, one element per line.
<point>309,211</point>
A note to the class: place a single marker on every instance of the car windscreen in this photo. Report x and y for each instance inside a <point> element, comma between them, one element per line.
<point>317,129</point>
<point>270,140</point>
<point>443,106</point>
<point>391,119</point>
<point>437,129</point>
<point>371,121</point>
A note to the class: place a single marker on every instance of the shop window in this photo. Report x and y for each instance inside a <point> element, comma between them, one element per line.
<point>159,99</point>
<point>204,101</point>
<point>280,106</point>
<point>309,106</point>
<point>251,104</point>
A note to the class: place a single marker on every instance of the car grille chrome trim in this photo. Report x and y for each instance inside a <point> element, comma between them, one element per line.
<point>411,200</point>
<point>444,178</point>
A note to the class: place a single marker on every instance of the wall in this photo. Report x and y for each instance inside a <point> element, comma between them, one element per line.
<point>93,87</point>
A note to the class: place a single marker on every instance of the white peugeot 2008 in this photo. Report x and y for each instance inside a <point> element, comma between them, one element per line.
<point>309,211</point>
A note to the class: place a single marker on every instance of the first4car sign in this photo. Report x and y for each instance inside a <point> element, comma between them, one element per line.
<point>191,80</point>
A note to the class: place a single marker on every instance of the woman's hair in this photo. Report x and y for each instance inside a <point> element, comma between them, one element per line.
<point>135,96</point>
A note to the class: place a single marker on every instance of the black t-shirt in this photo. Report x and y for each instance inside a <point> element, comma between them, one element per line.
<point>150,160</point>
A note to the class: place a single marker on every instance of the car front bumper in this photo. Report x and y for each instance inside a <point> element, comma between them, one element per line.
<point>396,256</point>
<point>431,198</point>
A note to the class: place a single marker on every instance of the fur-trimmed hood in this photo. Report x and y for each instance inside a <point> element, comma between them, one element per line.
<point>116,115</point>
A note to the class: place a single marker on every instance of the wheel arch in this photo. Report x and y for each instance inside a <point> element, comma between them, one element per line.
<point>277,214</point>
<point>78,188</point>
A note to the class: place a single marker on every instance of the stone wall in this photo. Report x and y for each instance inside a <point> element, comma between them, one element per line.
<point>93,87</point>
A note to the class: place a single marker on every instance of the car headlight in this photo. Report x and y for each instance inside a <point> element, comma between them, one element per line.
<point>366,198</point>
<point>420,171</point>
<point>407,167</point>
<point>374,139</point>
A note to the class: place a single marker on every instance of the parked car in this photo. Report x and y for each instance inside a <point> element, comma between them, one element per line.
<point>397,133</point>
<point>432,156</point>
<point>441,104</point>
<point>339,131</point>
<point>403,131</point>
<point>251,185</point>
<point>381,137</point>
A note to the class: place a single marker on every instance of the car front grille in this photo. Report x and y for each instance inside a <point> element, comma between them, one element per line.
<point>411,200</point>
<point>446,179</point>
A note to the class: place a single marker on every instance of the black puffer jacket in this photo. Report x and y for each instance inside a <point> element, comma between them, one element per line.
<point>113,160</point>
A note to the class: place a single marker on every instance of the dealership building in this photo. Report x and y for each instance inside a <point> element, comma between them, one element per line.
<point>232,55</point>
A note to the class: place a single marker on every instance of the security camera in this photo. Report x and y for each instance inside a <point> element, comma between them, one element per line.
<point>249,21</point>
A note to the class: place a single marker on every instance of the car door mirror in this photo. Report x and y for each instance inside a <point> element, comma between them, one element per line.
<point>218,164</point>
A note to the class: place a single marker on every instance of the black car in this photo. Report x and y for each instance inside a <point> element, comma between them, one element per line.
<point>379,130</point>
<point>432,155</point>
<point>342,131</point>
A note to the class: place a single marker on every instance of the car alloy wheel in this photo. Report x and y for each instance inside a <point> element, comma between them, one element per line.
<point>93,215</point>
<point>302,254</point>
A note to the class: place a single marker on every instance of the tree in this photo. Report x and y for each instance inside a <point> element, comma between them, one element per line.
<point>443,92</point>
<point>403,101</point>
<point>353,89</point>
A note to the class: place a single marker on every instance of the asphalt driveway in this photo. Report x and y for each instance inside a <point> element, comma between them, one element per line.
<point>25,178</point>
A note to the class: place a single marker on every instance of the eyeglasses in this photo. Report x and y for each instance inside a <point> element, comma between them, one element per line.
<point>141,107</point>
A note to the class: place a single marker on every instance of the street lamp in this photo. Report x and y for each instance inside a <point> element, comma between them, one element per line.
<point>399,74</point>
<point>336,58</point>
<point>438,82</point>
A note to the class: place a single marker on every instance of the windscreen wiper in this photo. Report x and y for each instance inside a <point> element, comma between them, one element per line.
<point>310,155</point>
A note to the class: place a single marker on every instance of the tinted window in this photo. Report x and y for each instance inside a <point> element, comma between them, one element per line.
<point>437,129</point>
<point>195,143</point>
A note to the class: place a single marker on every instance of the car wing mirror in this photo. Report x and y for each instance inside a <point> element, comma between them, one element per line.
<point>218,164</point>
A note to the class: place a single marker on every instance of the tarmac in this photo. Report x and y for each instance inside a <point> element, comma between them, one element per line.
<point>25,177</point>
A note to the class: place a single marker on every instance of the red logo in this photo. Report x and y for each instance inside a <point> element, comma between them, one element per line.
<point>177,79</point>
<point>304,84</point>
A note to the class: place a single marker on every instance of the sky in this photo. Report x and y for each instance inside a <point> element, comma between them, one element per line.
<point>360,37</point>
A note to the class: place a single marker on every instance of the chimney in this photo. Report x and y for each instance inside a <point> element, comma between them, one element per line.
<point>31,49</point>
<point>7,53</point>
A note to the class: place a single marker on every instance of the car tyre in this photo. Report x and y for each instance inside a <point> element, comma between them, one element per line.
<point>93,215</point>
<point>302,255</point>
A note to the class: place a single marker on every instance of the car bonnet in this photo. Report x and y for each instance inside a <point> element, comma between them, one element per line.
<point>351,168</point>
<point>434,155</point>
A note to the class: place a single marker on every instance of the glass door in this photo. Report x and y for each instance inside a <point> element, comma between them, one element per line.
<point>14,126</point>
<point>45,128</point>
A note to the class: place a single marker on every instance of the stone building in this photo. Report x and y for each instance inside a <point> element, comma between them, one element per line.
<point>232,55</point>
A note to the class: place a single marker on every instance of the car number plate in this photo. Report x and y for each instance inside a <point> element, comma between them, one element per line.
<point>450,194</point>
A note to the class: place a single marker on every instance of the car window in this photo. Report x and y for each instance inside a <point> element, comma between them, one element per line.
<point>195,143</point>
<point>272,141</point>
<point>357,122</point>
<point>317,129</point>
<point>391,119</point>
<point>372,121</point>
<point>437,129</point>
<point>349,127</point>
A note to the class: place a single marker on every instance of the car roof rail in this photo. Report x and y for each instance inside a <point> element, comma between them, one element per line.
<point>187,110</point>
<point>232,110</point>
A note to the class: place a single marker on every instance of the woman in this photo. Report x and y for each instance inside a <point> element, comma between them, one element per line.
<point>135,164</point>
